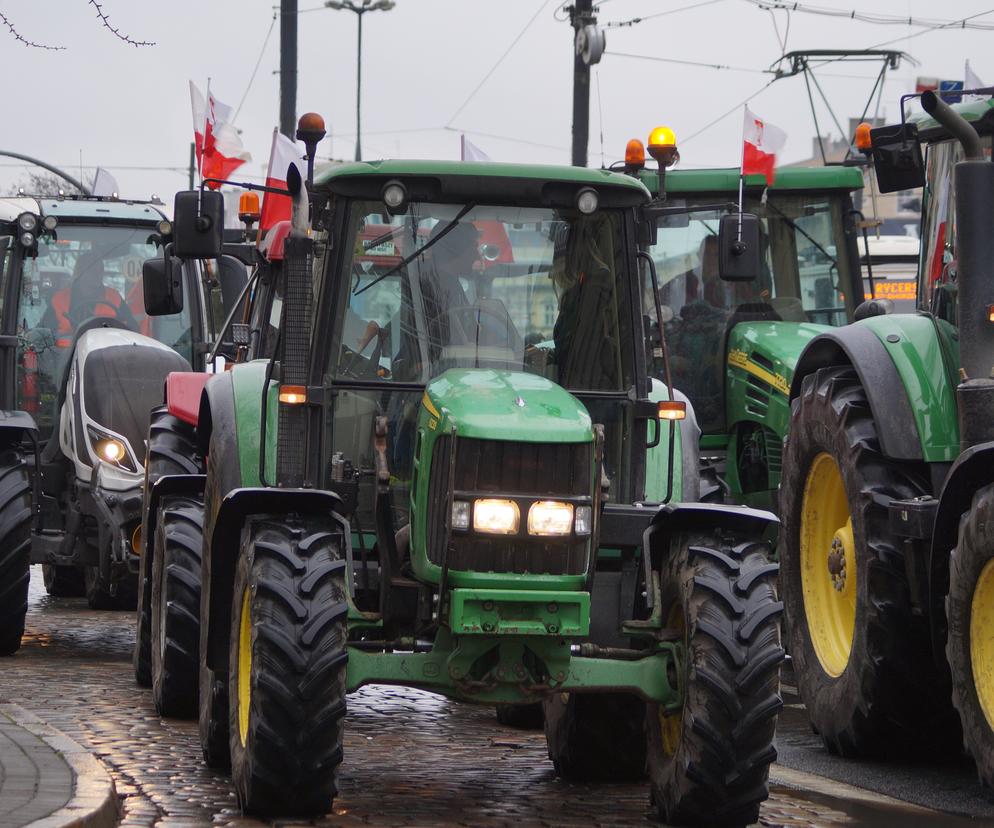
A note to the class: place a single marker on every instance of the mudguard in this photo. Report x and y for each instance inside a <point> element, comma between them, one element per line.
<point>225,542</point>
<point>171,485</point>
<point>683,517</point>
<point>885,352</point>
<point>15,426</point>
<point>184,390</point>
<point>973,469</point>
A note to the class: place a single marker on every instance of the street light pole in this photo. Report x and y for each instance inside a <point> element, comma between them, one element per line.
<point>359,10</point>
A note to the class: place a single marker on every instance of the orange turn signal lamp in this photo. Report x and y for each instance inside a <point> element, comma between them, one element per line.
<point>990,313</point>
<point>293,394</point>
<point>672,410</point>
<point>863,141</point>
<point>248,207</point>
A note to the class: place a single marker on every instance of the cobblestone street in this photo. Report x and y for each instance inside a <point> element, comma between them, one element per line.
<point>411,758</point>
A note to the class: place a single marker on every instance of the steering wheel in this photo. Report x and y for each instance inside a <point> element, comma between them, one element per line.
<point>360,367</point>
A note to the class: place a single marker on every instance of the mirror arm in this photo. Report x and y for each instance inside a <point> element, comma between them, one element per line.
<point>231,315</point>
<point>245,185</point>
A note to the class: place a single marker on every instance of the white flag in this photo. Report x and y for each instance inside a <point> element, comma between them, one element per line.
<point>971,81</point>
<point>104,184</point>
<point>471,152</point>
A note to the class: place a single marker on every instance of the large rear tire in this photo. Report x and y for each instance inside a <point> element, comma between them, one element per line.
<point>98,595</point>
<point>863,660</point>
<point>970,644</point>
<point>709,760</point>
<point>176,607</point>
<point>15,549</point>
<point>287,668</point>
<point>521,716</point>
<point>63,581</point>
<point>172,449</point>
<point>595,736</point>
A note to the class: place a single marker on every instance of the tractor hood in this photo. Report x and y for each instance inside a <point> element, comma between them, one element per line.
<point>769,350</point>
<point>506,405</point>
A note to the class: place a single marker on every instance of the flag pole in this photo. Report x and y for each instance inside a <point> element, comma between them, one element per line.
<point>741,182</point>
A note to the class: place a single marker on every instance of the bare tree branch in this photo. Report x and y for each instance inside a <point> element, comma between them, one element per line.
<point>117,32</point>
<point>30,43</point>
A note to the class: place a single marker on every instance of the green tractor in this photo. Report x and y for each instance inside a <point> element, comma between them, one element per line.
<point>734,345</point>
<point>888,483</point>
<point>455,473</point>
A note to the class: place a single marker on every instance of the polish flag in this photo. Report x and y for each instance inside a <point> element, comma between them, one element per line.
<point>219,146</point>
<point>761,143</point>
<point>275,207</point>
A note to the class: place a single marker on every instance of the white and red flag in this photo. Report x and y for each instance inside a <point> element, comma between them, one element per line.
<point>762,142</point>
<point>219,146</point>
<point>276,207</point>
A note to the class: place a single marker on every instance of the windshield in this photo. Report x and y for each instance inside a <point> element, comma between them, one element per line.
<point>474,286</point>
<point>804,273</point>
<point>80,272</point>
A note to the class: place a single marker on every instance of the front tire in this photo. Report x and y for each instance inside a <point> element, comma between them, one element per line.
<point>287,667</point>
<point>15,549</point>
<point>172,449</point>
<point>176,607</point>
<point>863,661</point>
<point>970,644</point>
<point>709,760</point>
<point>63,581</point>
<point>595,736</point>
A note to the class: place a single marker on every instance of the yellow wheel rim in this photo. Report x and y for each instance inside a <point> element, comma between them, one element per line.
<point>828,565</point>
<point>982,640</point>
<point>244,666</point>
<point>671,724</point>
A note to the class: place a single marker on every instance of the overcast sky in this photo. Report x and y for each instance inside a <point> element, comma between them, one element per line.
<point>128,108</point>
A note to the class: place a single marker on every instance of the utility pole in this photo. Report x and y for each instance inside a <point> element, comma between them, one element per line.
<point>193,164</point>
<point>358,93</point>
<point>288,67</point>
<point>581,14</point>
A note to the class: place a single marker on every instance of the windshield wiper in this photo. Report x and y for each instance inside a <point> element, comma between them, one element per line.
<point>795,226</point>
<point>405,262</point>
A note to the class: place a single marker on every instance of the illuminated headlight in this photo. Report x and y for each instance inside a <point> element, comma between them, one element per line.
<point>111,450</point>
<point>583,523</point>
<point>460,514</point>
<point>496,517</point>
<point>28,222</point>
<point>549,517</point>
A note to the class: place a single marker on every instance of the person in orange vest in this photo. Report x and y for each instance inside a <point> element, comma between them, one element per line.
<point>85,297</point>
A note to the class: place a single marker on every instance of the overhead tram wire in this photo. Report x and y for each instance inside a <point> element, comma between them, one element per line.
<point>258,63</point>
<point>615,24</point>
<point>870,17</point>
<point>725,114</point>
<point>500,60</point>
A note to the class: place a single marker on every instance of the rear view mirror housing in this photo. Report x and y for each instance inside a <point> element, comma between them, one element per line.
<point>738,247</point>
<point>897,157</point>
<point>162,284</point>
<point>198,224</point>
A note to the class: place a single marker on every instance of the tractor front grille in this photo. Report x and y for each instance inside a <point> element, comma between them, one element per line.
<point>482,467</point>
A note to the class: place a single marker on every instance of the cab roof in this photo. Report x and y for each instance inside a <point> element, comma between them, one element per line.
<point>687,181</point>
<point>461,179</point>
<point>86,210</point>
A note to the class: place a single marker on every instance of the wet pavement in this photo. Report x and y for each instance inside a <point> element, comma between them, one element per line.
<point>411,758</point>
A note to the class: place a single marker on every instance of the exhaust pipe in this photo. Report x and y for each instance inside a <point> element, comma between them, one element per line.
<point>957,125</point>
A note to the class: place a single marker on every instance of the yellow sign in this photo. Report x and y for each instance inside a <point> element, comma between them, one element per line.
<point>899,291</point>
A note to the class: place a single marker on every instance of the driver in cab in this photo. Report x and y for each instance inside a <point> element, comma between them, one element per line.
<point>85,297</point>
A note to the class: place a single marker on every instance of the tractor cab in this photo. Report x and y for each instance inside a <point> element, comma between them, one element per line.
<point>83,358</point>
<point>733,344</point>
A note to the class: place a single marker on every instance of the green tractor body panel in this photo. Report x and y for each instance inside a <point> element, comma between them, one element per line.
<point>509,404</point>
<point>481,404</point>
<point>925,363</point>
<point>726,180</point>
<point>248,380</point>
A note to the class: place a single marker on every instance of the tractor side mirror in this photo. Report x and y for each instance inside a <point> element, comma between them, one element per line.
<point>738,247</point>
<point>198,224</point>
<point>897,158</point>
<point>232,276</point>
<point>162,284</point>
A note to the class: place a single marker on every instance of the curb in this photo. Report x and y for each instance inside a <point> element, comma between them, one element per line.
<point>94,802</point>
<point>802,781</point>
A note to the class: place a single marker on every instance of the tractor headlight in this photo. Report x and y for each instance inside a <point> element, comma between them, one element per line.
<point>583,524</point>
<point>550,517</point>
<point>111,450</point>
<point>496,517</point>
<point>28,222</point>
<point>460,514</point>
